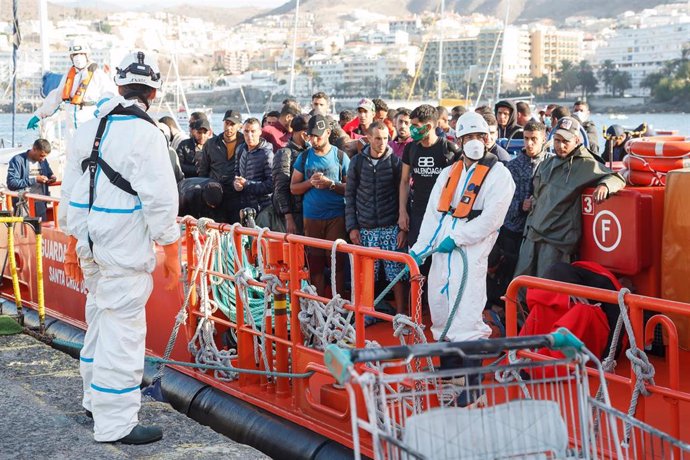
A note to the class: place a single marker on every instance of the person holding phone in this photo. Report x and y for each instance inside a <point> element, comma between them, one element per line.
<point>31,172</point>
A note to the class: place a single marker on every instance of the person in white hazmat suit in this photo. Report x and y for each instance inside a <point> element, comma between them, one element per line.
<point>80,89</point>
<point>466,208</point>
<point>111,235</point>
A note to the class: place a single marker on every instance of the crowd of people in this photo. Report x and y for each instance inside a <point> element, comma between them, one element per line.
<point>374,176</point>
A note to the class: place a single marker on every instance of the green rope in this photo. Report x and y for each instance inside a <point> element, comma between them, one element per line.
<point>304,375</point>
<point>400,276</point>
<point>224,292</point>
<point>154,360</point>
<point>458,298</point>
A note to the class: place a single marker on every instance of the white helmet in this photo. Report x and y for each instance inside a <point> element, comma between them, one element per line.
<point>78,46</point>
<point>469,123</point>
<point>138,68</point>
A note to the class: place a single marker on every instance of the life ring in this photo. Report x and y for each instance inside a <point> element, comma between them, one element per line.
<point>660,146</point>
<point>655,164</point>
<point>644,178</point>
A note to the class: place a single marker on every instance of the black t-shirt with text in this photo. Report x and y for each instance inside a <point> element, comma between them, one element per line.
<point>426,164</point>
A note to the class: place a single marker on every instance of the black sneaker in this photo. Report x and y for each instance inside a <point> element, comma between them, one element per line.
<point>142,435</point>
<point>471,398</point>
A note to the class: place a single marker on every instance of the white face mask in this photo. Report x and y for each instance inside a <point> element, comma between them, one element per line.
<point>474,149</point>
<point>79,61</point>
<point>582,116</point>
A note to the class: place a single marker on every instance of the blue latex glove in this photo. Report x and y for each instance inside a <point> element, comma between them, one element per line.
<point>446,246</point>
<point>33,123</point>
<point>417,258</point>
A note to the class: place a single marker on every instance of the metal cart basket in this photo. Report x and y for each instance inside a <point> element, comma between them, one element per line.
<point>512,408</point>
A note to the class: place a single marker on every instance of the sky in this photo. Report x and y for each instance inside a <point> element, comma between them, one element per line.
<point>166,3</point>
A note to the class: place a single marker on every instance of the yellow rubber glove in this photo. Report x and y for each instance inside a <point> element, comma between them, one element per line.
<point>171,264</point>
<point>72,267</point>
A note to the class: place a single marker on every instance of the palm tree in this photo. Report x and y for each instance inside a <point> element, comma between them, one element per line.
<point>586,79</point>
<point>606,73</point>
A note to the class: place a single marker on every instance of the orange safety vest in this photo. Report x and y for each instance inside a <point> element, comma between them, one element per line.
<point>78,98</point>
<point>469,195</point>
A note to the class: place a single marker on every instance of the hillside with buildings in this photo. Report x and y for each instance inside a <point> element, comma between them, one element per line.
<point>367,53</point>
<point>520,10</point>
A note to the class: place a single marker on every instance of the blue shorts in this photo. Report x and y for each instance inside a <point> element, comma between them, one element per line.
<point>383,238</point>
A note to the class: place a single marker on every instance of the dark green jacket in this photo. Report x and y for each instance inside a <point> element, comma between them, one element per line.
<point>556,217</point>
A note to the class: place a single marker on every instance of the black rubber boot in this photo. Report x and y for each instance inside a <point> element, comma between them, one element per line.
<point>450,362</point>
<point>142,435</point>
<point>472,391</point>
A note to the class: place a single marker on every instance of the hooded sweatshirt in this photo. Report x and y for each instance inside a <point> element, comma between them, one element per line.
<point>511,128</point>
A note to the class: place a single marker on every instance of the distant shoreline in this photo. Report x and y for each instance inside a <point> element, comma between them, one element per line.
<point>599,105</point>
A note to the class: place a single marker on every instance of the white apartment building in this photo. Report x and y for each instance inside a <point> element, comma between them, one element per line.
<point>515,59</point>
<point>644,50</point>
<point>360,67</point>
<point>551,46</point>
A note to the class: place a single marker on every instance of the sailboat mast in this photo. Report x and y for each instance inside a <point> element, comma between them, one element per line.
<point>439,87</point>
<point>45,50</point>
<point>294,51</point>
<point>500,65</point>
<point>15,47</point>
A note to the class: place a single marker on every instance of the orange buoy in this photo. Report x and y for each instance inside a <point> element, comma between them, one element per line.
<point>644,178</point>
<point>655,164</point>
<point>660,146</point>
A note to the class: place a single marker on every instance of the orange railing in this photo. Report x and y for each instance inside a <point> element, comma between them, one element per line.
<point>637,305</point>
<point>32,198</point>
<point>284,257</point>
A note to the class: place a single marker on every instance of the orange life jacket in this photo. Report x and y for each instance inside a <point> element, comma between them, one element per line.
<point>78,98</point>
<point>469,195</point>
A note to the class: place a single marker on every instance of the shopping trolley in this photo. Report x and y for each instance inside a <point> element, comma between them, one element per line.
<point>512,408</point>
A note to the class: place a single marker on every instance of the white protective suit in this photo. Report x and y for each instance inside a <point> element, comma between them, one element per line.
<point>123,229</point>
<point>101,84</point>
<point>477,237</point>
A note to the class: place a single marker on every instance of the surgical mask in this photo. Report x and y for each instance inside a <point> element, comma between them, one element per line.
<point>79,61</point>
<point>474,149</point>
<point>547,122</point>
<point>419,132</point>
<point>582,116</point>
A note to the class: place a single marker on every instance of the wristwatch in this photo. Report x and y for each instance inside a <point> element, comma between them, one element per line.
<point>332,187</point>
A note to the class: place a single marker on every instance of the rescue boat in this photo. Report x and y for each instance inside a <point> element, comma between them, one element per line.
<point>243,340</point>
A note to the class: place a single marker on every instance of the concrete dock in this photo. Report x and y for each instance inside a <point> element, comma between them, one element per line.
<point>41,415</point>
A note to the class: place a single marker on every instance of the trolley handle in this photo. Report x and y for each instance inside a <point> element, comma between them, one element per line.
<point>340,360</point>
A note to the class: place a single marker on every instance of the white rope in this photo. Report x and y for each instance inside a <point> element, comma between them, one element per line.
<point>202,345</point>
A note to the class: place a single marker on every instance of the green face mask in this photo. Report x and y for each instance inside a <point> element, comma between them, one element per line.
<point>419,133</point>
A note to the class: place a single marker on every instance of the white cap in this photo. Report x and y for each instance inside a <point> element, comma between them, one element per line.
<point>138,68</point>
<point>469,123</point>
<point>78,46</point>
